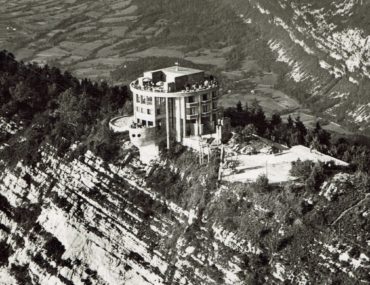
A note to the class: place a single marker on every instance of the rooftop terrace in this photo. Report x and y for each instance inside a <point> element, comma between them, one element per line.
<point>174,79</point>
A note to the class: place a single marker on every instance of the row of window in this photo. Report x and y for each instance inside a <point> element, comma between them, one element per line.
<point>190,111</point>
<point>205,97</point>
<point>205,108</point>
<point>147,111</point>
<point>149,123</point>
<point>148,100</point>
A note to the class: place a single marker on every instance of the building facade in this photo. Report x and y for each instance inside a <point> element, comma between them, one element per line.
<point>173,103</point>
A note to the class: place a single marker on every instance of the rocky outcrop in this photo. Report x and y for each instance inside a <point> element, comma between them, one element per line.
<point>103,218</point>
<point>326,45</point>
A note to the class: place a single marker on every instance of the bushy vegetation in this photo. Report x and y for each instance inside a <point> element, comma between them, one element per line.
<point>54,107</point>
<point>5,252</point>
<point>311,174</point>
<point>54,249</point>
<point>191,184</point>
<point>248,120</point>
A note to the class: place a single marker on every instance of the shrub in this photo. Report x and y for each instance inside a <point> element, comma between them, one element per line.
<point>262,183</point>
<point>301,169</point>
<point>284,242</point>
<point>27,217</point>
<point>5,252</point>
<point>316,178</point>
<point>54,249</point>
<point>20,273</point>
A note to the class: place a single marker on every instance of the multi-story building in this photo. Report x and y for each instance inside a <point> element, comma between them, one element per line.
<point>173,103</point>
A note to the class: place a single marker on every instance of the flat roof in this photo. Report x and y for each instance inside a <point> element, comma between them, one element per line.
<point>179,70</point>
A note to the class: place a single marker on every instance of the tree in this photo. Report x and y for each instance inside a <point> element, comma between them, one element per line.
<point>323,137</point>
<point>316,178</point>
<point>262,183</point>
<point>68,109</point>
<point>246,107</point>
<point>275,120</point>
<point>239,107</point>
<point>301,169</point>
<point>290,122</point>
<point>255,106</point>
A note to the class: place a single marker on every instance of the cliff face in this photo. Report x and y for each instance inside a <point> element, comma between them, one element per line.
<point>326,45</point>
<point>86,222</point>
<point>83,221</point>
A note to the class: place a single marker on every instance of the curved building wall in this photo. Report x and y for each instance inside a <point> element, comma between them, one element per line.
<point>145,136</point>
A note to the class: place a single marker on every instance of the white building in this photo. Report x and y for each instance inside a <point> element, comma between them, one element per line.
<point>173,103</point>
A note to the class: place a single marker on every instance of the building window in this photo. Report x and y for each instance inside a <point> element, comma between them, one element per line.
<point>133,135</point>
<point>214,105</point>
<point>137,98</point>
<point>150,123</point>
<point>205,108</point>
<point>142,99</point>
<point>149,100</point>
<point>138,135</point>
<point>191,99</point>
<point>214,94</point>
<point>205,97</point>
<point>158,111</point>
<point>192,111</point>
<point>149,112</point>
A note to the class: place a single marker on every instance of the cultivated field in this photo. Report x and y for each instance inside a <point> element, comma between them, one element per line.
<point>93,39</point>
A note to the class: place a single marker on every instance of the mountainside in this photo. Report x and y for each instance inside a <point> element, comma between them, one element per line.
<point>326,44</point>
<point>82,221</point>
<point>78,207</point>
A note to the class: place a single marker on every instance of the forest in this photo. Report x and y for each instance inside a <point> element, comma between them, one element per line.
<point>51,106</point>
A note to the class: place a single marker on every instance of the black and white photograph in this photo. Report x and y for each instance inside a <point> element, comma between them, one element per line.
<point>184,142</point>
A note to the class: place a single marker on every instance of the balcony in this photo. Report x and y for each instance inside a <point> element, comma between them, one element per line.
<point>192,104</point>
<point>143,89</point>
<point>191,117</point>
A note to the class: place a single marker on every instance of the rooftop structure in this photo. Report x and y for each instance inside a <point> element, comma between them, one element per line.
<point>174,79</point>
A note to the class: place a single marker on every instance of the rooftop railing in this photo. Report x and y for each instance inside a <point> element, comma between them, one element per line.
<point>150,86</point>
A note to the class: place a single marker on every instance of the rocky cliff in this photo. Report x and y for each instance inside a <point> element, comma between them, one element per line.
<point>83,221</point>
<point>326,45</point>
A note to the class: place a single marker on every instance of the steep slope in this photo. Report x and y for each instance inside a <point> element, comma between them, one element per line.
<point>104,227</point>
<point>83,221</point>
<point>326,44</point>
<point>77,206</point>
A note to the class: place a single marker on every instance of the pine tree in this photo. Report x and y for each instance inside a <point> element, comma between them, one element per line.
<point>239,107</point>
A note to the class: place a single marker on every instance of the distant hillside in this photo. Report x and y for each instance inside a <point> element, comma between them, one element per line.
<point>326,45</point>
<point>78,207</point>
<point>319,51</point>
